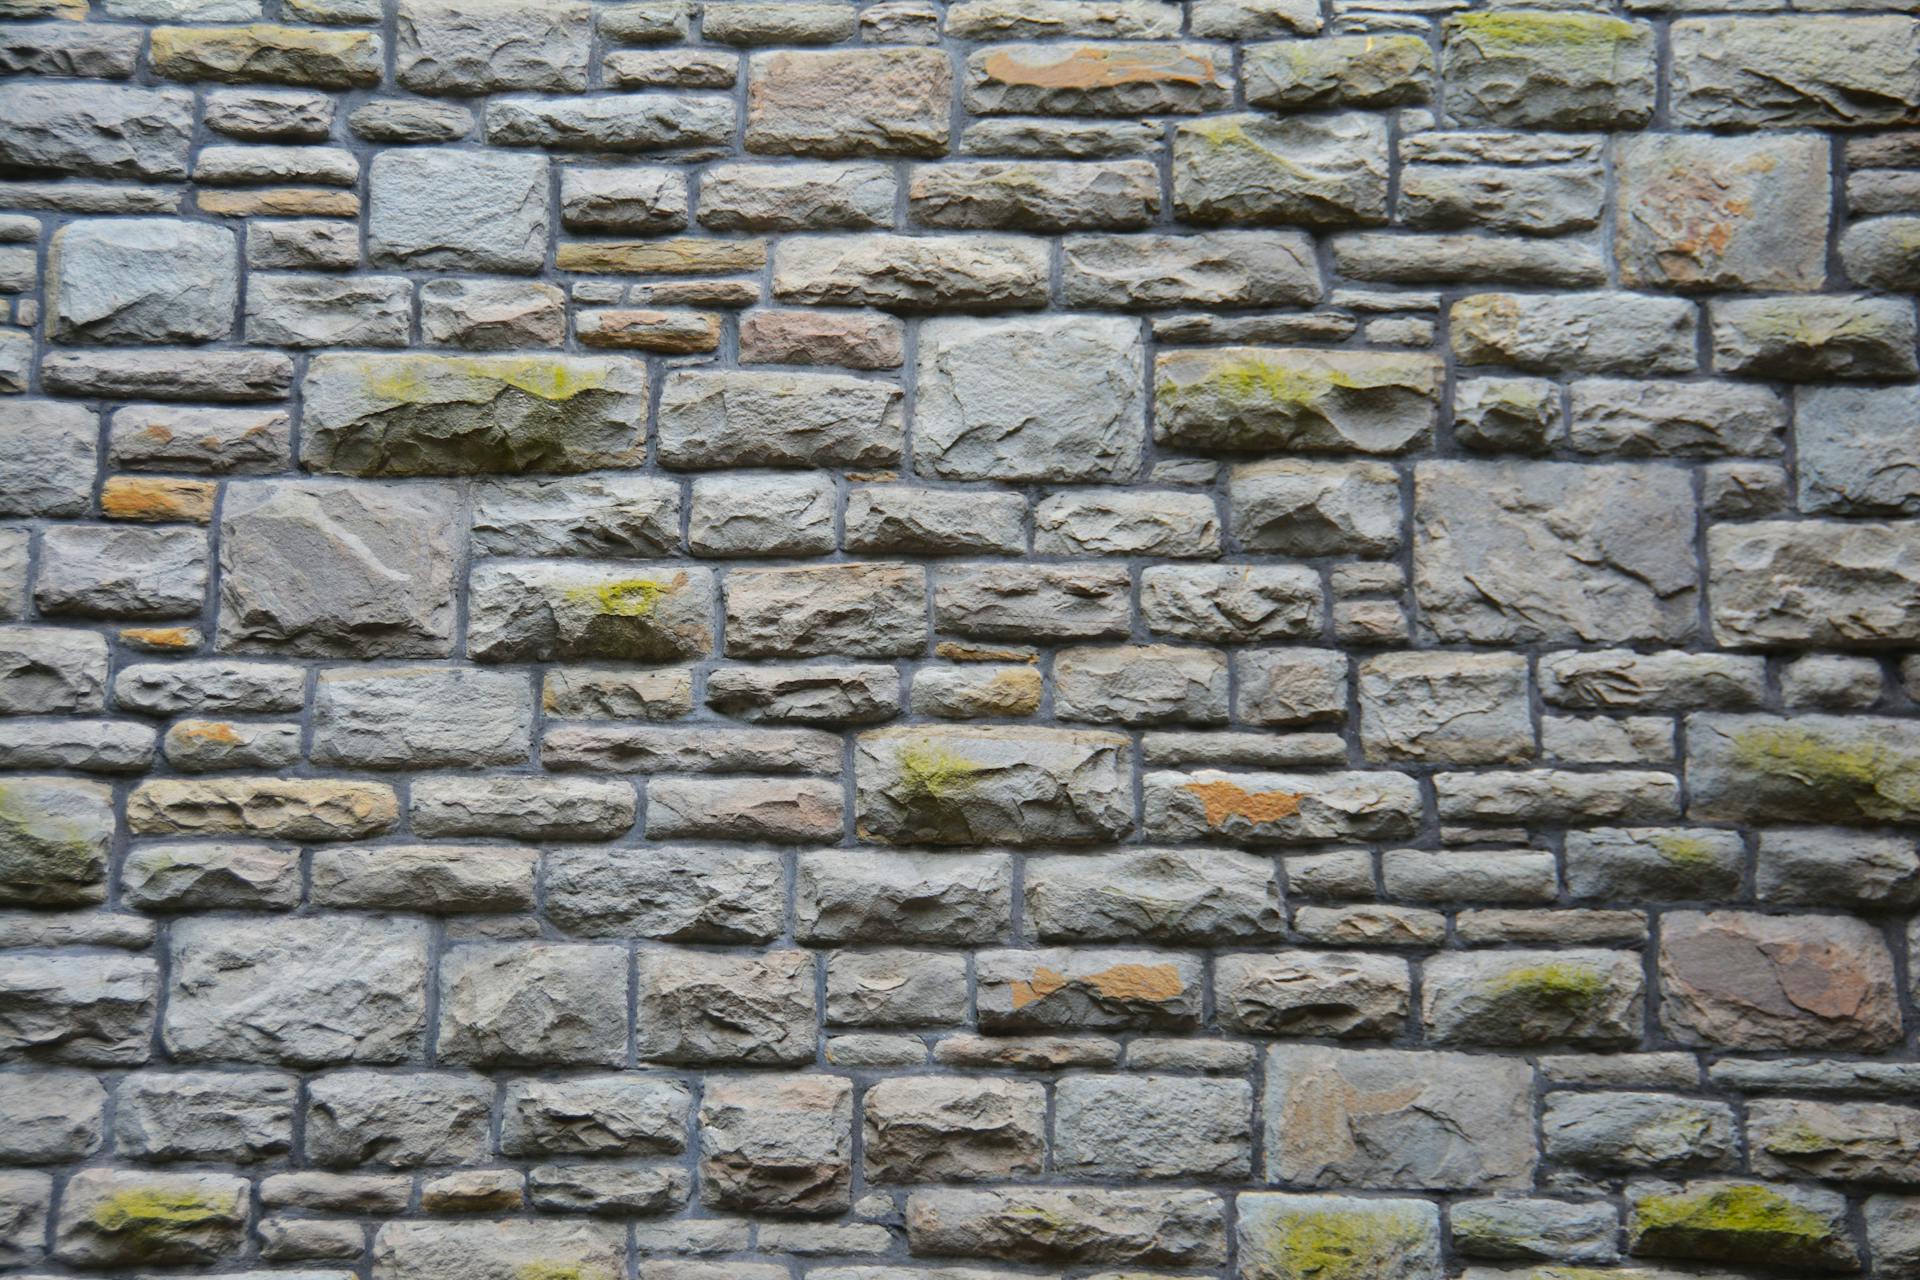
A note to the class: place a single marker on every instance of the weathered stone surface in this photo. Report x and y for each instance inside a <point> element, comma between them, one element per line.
<point>1740,1222</point>
<point>1145,1127</point>
<point>1748,981</point>
<point>610,122</point>
<point>1036,195</point>
<point>55,837</point>
<point>780,1144</point>
<point>689,895</point>
<point>471,47</point>
<point>1812,582</point>
<point>863,610</point>
<point>1312,509</point>
<point>501,1250</point>
<point>1023,991</point>
<point>111,131</point>
<point>939,1129</point>
<point>267,53</point>
<point>1393,1118</point>
<point>511,1002</point>
<point>398,1121</point>
<point>1723,213</point>
<point>635,610</point>
<point>1816,338</point>
<point>1585,332</point>
<point>1251,169</point>
<point>1534,997</point>
<point>935,898</point>
<point>148,280</point>
<point>292,808</point>
<point>1521,69</point>
<point>440,415</point>
<point>239,1117</point>
<point>1214,268</point>
<point>791,197</point>
<point>319,569</point>
<point>1542,201</point>
<point>1097,79</point>
<point>912,273</point>
<point>52,1116</point>
<point>1360,71</point>
<point>1140,684</point>
<point>695,1007</point>
<point>431,878</point>
<point>1274,398</point>
<point>1064,1227</point>
<point>1350,996</point>
<point>1453,708</point>
<point>118,1218</point>
<point>594,1116</point>
<point>778,419</point>
<point>849,102</point>
<point>980,414</point>
<point>1684,419</point>
<point>533,808</point>
<point>1802,70</point>
<point>94,1009</point>
<point>1291,1237</point>
<point>420,717</point>
<point>823,694</point>
<point>301,992</point>
<point>1619,539</point>
<point>990,785</point>
<point>1637,1131</point>
<point>610,516</point>
<point>118,572</point>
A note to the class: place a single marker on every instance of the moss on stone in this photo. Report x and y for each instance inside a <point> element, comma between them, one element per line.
<point>152,1221</point>
<point>1507,32</point>
<point>1687,852</point>
<point>423,380</point>
<point>1756,1214</point>
<point>627,598</point>
<point>1554,984</point>
<point>1871,779</point>
<point>42,848</point>
<point>543,1269</point>
<point>929,771</point>
<point>1334,1245</point>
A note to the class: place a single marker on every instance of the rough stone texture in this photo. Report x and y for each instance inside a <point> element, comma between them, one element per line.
<point>916,640</point>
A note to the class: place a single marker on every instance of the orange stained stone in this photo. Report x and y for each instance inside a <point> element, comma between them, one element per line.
<point>140,498</point>
<point>1223,800</point>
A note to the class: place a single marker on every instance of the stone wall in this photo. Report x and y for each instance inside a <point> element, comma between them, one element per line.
<point>811,641</point>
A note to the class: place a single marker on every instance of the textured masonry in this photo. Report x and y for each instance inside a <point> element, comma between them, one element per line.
<point>969,640</point>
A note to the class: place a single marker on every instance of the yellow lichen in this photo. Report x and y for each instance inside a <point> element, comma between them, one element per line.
<point>1690,852</point>
<point>1565,987</point>
<point>1509,32</point>
<point>1326,1245</point>
<point>1765,1217</point>
<point>427,379</point>
<point>932,772</point>
<point>628,598</point>
<point>541,1269</point>
<point>147,1222</point>
<point>1872,779</point>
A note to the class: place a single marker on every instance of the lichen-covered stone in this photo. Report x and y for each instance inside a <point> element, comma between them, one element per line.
<point>956,785</point>
<point>1702,212</point>
<point>1531,69</point>
<point>1254,398</point>
<point>1740,1222</point>
<point>1811,339</point>
<point>1534,997</point>
<point>1307,1237</point>
<point>1250,169</point>
<point>119,1218</point>
<point>562,609</point>
<point>55,836</point>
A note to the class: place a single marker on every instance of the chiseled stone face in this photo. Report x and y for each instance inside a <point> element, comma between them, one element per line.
<point>1395,1118</point>
<point>990,786</point>
<point>149,280</point>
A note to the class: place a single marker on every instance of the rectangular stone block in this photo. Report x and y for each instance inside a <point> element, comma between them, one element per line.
<point>991,785</point>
